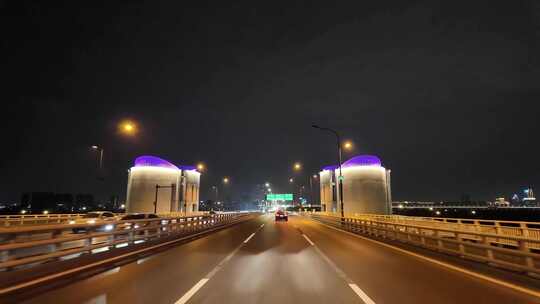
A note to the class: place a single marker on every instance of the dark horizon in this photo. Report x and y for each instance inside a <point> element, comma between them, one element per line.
<point>444,93</point>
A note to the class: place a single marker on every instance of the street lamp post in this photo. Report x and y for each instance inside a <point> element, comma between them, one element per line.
<point>312,195</point>
<point>297,167</point>
<point>216,189</point>
<point>100,150</point>
<point>340,178</point>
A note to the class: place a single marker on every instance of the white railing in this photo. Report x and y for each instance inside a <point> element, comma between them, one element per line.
<point>26,246</point>
<point>516,252</point>
<point>42,219</point>
<point>35,219</point>
<point>530,230</point>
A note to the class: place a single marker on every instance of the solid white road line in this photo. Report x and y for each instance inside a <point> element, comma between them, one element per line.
<point>307,239</point>
<point>191,292</point>
<point>262,225</point>
<point>446,265</point>
<point>249,238</point>
<point>361,294</point>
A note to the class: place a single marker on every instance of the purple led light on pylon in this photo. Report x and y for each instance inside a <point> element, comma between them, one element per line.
<point>329,168</point>
<point>188,168</point>
<point>363,161</point>
<point>153,161</point>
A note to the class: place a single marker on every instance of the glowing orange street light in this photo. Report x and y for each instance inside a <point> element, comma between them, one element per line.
<point>127,127</point>
<point>347,145</point>
<point>297,166</point>
<point>200,167</point>
<point>225,180</point>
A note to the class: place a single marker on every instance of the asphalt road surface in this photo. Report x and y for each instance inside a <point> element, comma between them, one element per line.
<point>299,261</point>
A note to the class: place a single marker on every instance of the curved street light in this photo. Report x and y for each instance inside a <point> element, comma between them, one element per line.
<point>340,178</point>
<point>100,151</point>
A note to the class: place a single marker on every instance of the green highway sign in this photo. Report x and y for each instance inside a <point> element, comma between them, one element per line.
<point>279,197</point>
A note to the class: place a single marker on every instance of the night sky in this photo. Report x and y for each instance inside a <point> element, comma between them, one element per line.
<point>444,92</point>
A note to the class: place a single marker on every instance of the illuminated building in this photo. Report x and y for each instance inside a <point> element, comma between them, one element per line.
<point>529,196</point>
<point>176,188</point>
<point>366,187</point>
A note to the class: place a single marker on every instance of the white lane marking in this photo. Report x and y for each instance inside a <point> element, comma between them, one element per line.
<point>206,278</point>
<point>262,225</point>
<point>446,265</point>
<point>307,239</point>
<point>361,294</point>
<point>191,292</point>
<point>106,261</point>
<point>249,238</point>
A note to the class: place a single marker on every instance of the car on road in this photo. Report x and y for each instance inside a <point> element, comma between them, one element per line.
<point>281,215</point>
<point>137,217</point>
<point>98,218</point>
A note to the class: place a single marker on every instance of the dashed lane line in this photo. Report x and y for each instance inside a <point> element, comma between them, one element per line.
<point>249,238</point>
<point>190,293</point>
<point>361,294</point>
<point>307,239</point>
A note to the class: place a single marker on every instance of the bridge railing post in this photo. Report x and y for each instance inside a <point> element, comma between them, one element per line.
<point>439,241</point>
<point>489,252</point>
<point>461,246</point>
<point>423,238</point>
<point>523,246</point>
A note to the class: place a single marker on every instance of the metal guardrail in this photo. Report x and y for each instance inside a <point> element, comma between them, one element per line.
<point>42,219</point>
<point>478,205</point>
<point>36,219</point>
<point>26,246</point>
<point>513,252</point>
<point>530,230</point>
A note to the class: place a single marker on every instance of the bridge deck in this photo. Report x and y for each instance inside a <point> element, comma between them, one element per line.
<point>278,264</point>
